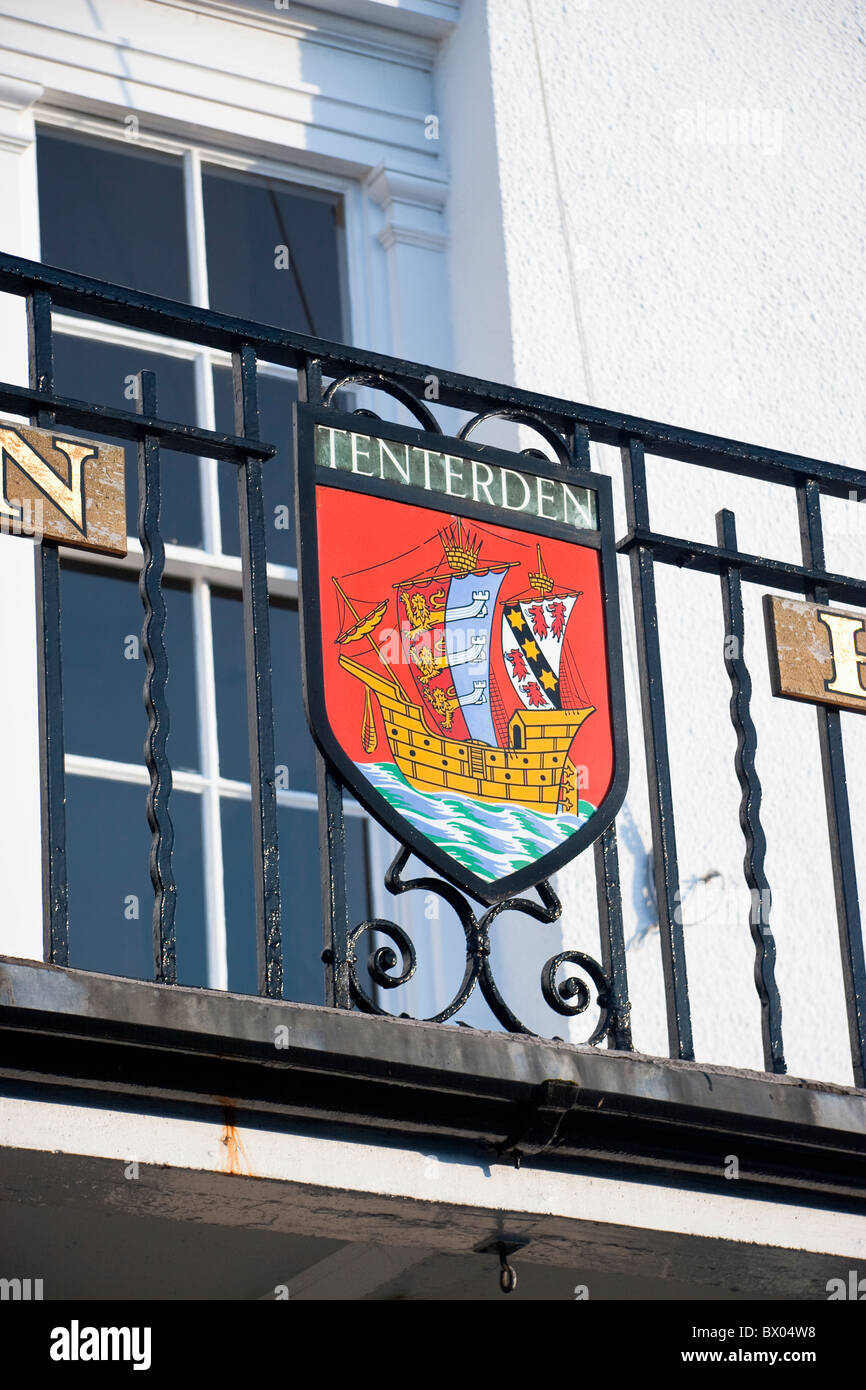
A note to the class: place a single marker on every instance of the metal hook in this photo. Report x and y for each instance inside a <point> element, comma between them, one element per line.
<point>503,1248</point>
<point>507,1274</point>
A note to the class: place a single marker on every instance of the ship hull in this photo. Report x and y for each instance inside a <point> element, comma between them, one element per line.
<point>535,770</point>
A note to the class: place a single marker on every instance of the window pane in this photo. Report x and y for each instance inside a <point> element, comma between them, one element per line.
<point>275,426</point>
<point>301,895</point>
<point>110,892</point>
<point>112,211</point>
<point>101,373</point>
<point>103,669</point>
<point>293,741</point>
<point>273,252</point>
<point>295,761</point>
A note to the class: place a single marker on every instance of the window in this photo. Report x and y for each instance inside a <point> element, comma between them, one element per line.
<point>247,240</point>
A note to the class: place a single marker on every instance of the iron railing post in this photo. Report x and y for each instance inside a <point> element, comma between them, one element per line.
<point>657,760</point>
<point>606,863</point>
<point>55,882</point>
<point>260,707</point>
<point>154,692</point>
<point>332,821</point>
<point>750,802</point>
<point>838,810</point>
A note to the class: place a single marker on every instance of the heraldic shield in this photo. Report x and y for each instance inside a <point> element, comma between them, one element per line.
<point>463,670</point>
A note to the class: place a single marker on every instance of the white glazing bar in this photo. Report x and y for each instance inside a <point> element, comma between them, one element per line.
<point>109,770</point>
<point>292,800</point>
<point>204,397</point>
<point>208,468</point>
<point>121,335</point>
<point>215,935</point>
<point>217,952</point>
<point>195,237</point>
<point>184,562</point>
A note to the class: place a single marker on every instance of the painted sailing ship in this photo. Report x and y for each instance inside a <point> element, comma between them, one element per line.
<point>444,710</point>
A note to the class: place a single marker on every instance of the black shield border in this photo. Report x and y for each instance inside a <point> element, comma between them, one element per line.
<point>306,417</point>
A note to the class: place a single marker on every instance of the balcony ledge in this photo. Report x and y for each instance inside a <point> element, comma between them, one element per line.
<point>520,1099</point>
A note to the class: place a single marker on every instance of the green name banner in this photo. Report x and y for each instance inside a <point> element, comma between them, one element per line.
<point>467,479</point>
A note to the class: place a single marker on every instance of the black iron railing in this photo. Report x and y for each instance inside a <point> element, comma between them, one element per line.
<point>324,369</point>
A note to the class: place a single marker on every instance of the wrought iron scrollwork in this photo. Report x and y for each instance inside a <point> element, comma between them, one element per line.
<point>425,417</point>
<point>533,421</point>
<point>570,997</point>
<point>383,959</point>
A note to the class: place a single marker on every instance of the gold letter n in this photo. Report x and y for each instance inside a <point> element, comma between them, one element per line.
<point>67,498</point>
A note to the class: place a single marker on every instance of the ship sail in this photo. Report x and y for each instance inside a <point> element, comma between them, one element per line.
<point>421,606</point>
<point>470,611</point>
<point>447,621</point>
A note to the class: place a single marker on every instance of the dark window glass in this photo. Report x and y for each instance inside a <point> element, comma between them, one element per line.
<point>301,894</point>
<point>103,669</point>
<point>293,745</point>
<point>110,893</point>
<point>101,372</point>
<point>273,252</point>
<point>113,211</point>
<point>275,426</point>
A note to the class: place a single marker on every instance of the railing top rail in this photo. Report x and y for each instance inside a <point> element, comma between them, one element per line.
<point>191,323</point>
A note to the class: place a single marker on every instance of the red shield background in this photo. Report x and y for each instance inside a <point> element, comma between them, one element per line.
<point>376,549</point>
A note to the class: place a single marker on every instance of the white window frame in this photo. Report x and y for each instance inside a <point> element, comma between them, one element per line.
<point>202,568</point>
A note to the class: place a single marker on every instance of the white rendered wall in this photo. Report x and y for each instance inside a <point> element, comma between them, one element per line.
<point>680,191</point>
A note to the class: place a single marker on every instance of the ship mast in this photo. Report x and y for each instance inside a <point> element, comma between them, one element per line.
<point>369,736</point>
<point>541,582</point>
<point>461,551</point>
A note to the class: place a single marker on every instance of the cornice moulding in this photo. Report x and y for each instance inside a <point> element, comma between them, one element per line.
<point>16,126</point>
<point>340,25</point>
<point>387,186</point>
<point>39,52</point>
<point>18,95</point>
<point>392,235</point>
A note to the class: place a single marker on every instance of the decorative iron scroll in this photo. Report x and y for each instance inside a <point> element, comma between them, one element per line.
<point>529,418</point>
<point>425,417</point>
<point>532,420</point>
<point>569,997</point>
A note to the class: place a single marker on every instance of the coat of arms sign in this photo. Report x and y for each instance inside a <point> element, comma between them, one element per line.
<point>462,646</point>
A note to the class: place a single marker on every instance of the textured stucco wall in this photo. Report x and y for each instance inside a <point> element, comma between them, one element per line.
<point>681,190</point>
